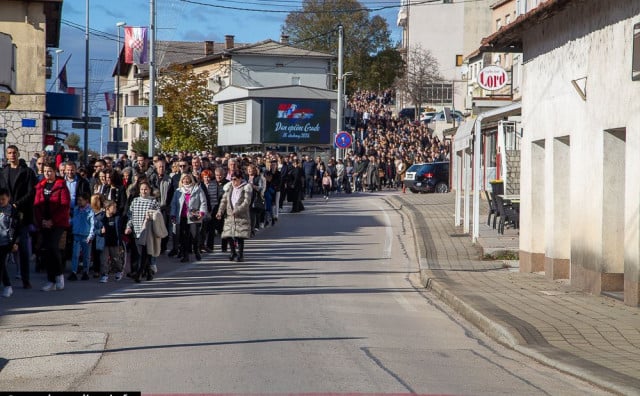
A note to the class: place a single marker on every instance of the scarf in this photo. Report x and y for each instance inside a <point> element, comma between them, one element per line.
<point>236,192</point>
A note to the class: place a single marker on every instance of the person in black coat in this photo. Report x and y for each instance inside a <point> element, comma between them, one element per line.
<point>20,180</point>
<point>297,186</point>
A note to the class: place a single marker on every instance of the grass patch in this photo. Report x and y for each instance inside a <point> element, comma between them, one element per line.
<point>501,255</point>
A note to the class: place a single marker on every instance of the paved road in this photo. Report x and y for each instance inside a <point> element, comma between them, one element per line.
<point>327,301</point>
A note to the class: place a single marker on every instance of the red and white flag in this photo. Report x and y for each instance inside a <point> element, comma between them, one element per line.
<point>135,45</point>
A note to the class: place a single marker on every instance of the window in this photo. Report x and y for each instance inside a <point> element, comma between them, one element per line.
<point>295,80</point>
<point>635,68</point>
<point>507,19</point>
<point>498,24</point>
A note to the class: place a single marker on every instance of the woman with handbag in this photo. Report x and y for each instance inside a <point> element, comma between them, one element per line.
<point>234,207</point>
<point>259,185</point>
<point>188,208</point>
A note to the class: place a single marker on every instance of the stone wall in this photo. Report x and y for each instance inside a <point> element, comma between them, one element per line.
<point>28,140</point>
<point>513,172</point>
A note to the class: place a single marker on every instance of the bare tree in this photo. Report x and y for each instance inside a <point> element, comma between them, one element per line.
<point>422,71</point>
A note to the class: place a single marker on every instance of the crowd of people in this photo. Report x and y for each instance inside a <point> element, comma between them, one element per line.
<point>113,217</point>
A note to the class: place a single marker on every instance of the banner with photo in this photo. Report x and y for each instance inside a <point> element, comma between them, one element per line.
<point>296,121</point>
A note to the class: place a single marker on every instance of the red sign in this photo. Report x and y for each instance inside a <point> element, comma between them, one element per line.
<point>492,78</point>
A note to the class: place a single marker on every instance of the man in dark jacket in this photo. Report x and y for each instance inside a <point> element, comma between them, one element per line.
<point>20,180</point>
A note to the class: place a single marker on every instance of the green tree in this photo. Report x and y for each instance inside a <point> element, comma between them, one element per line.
<point>365,36</point>
<point>73,141</point>
<point>140,145</point>
<point>422,71</point>
<point>190,117</point>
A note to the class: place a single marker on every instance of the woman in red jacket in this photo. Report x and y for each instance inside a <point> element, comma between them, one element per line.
<point>51,212</point>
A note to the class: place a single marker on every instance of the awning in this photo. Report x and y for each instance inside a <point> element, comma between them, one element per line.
<point>462,138</point>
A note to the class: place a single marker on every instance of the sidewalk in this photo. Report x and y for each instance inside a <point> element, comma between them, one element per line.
<point>595,338</point>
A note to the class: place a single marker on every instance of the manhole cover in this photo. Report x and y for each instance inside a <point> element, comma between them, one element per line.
<point>458,235</point>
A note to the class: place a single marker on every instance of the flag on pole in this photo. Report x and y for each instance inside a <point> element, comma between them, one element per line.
<point>110,100</point>
<point>135,45</point>
<point>63,83</point>
<point>75,91</point>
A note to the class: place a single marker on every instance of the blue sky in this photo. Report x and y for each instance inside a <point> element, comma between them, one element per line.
<point>176,20</point>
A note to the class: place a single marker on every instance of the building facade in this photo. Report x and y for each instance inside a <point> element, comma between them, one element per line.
<point>447,28</point>
<point>580,201</point>
<point>28,29</point>
<point>264,64</point>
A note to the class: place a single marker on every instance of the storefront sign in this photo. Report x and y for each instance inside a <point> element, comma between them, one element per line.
<point>492,78</point>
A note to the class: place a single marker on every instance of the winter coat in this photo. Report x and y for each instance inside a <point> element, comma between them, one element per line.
<point>22,190</point>
<point>237,223</point>
<point>155,230</point>
<point>59,204</point>
<point>197,203</point>
<point>138,213</point>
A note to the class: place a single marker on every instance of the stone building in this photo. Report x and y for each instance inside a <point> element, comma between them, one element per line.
<point>27,30</point>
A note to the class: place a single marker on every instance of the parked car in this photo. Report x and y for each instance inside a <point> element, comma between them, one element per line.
<point>457,115</point>
<point>428,177</point>
<point>427,116</point>
<point>408,112</point>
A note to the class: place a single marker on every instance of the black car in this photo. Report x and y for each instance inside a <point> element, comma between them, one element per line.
<point>428,177</point>
<point>408,113</point>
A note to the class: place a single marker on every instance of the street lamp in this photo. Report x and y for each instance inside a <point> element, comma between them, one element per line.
<point>117,134</point>
<point>58,52</point>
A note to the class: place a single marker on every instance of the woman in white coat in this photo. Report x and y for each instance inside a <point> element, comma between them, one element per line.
<point>188,208</point>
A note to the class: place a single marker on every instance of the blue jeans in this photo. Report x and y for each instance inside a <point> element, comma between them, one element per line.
<point>309,184</point>
<point>80,245</point>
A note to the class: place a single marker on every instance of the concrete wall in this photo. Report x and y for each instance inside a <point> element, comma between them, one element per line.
<point>577,155</point>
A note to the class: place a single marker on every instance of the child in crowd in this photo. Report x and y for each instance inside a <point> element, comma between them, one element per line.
<point>98,242</point>
<point>82,224</point>
<point>110,231</point>
<point>326,184</point>
<point>8,238</point>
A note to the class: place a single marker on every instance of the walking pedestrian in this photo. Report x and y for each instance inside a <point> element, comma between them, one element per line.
<point>51,212</point>
<point>234,207</point>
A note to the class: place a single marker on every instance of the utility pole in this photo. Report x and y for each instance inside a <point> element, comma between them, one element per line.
<point>340,86</point>
<point>86,88</point>
<point>116,135</point>
<point>152,76</point>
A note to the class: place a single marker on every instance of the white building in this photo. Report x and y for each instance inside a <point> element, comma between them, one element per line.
<point>580,196</point>
<point>234,66</point>
<point>447,28</point>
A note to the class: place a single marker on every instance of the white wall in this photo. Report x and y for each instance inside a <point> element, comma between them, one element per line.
<point>260,71</point>
<point>596,46</point>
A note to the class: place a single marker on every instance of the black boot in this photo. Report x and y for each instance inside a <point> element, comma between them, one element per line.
<point>240,250</point>
<point>232,245</point>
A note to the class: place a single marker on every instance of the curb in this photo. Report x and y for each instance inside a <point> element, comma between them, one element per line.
<point>493,329</point>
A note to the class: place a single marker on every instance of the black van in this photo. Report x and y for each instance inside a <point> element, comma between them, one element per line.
<point>428,177</point>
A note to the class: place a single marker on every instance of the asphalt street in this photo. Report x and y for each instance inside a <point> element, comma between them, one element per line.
<point>328,300</point>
